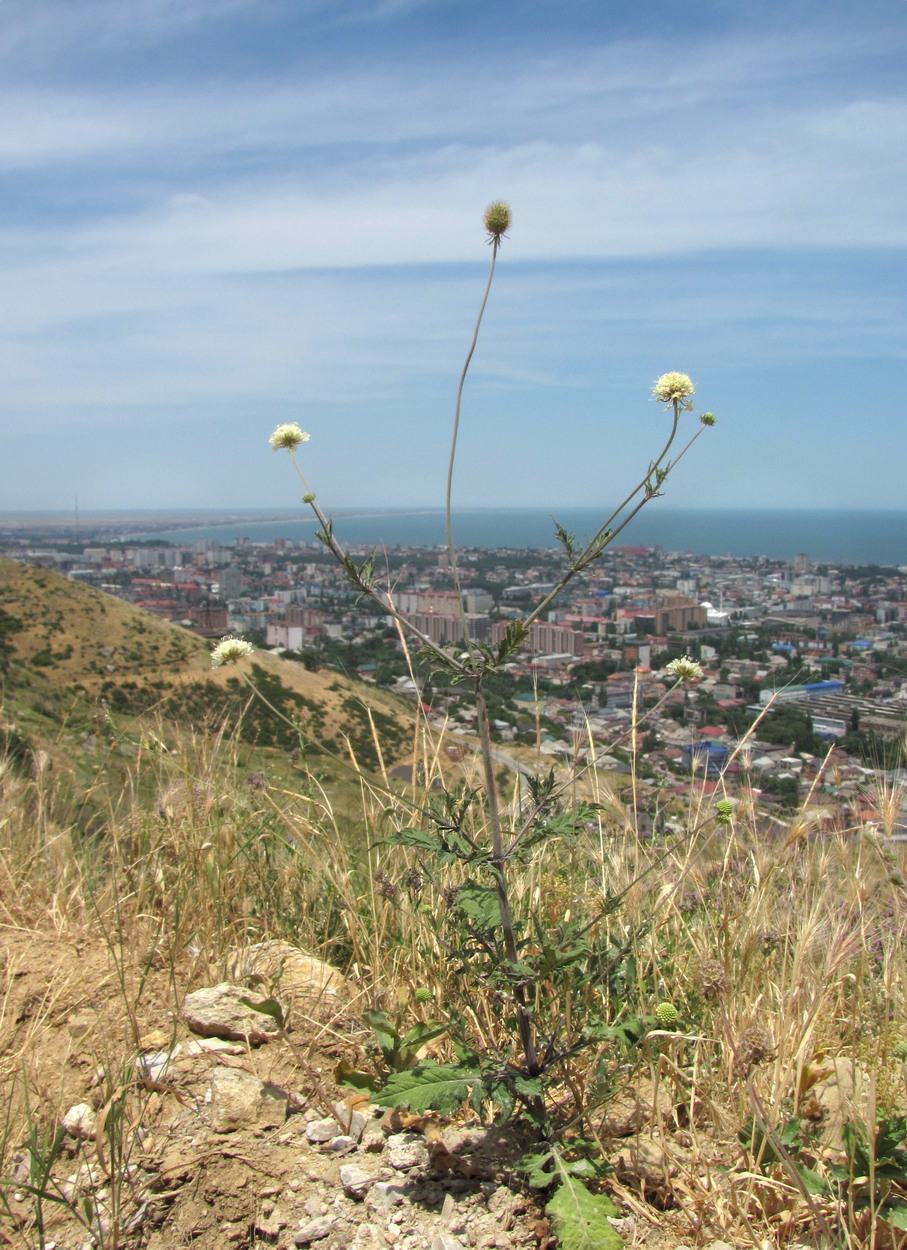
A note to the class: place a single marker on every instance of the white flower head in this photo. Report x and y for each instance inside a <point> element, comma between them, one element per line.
<point>288,437</point>
<point>685,669</point>
<point>230,651</point>
<point>671,386</point>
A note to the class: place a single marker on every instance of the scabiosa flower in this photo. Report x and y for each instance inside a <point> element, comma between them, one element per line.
<point>685,669</point>
<point>671,386</point>
<point>230,651</point>
<point>497,218</point>
<point>707,418</point>
<point>667,1015</point>
<point>713,979</point>
<point>288,437</point>
<point>422,994</point>
<point>754,1046</point>
<point>900,1051</point>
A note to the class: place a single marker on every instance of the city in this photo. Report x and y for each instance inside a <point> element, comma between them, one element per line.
<point>804,686</point>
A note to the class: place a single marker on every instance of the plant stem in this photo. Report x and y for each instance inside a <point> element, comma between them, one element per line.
<point>524,1024</point>
<point>451,548</point>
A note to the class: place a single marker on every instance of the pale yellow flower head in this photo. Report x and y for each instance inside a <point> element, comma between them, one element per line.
<point>230,651</point>
<point>671,386</point>
<point>684,669</point>
<point>288,437</point>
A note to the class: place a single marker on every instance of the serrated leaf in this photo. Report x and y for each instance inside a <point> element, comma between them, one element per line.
<point>579,1220</point>
<point>429,1086</point>
<point>584,1169</point>
<point>416,838</point>
<point>479,904</point>
<point>527,1086</point>
<point>534,1170</point>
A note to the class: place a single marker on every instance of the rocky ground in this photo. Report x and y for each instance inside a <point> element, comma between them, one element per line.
<point>217,1128</point>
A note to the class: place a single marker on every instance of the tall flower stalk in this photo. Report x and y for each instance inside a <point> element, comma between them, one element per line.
<point>493,937</point>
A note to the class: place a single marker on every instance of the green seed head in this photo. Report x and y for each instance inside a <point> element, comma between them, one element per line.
<point>497,218</point>
<point>707,418</point>
<point>667,1015</point>
<point>422,994</point>
<point>900,1051</point>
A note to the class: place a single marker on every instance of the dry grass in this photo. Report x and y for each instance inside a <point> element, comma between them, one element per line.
<point>781,955</point>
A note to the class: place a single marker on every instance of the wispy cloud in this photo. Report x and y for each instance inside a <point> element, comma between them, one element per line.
<point>187,241</point>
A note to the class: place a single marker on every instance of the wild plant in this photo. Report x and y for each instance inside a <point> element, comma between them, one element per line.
<point>534,981</point>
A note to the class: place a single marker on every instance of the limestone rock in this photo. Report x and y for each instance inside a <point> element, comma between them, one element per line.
<point>841,1097</point>
<point>356,1181</point>
<point>406,1150</point>
<point>303,983</point>
<point>240,1100</point>
<point>353,1122</point>
<point>220,1011</point>
<point>79,1120</point>
<point>314,1230</point>
<point>320,1131</point>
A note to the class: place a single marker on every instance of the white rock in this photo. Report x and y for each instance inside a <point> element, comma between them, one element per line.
<point>214,1046</point>
<point>406,1150</point>
<point>350,1120</point>
<point>318,1131</point>
<point>302,980</point>
<point>355,1181</point>
<point>221,1011</point>
<point>79,1120</point>
<point>240,1100</point>
<point>386,1194</point>
<point>153,1066</point>
<point>313,1230</point>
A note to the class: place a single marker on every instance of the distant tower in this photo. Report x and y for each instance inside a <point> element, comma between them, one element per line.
<point>802,563</point>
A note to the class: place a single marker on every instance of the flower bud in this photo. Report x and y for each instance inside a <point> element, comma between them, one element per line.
<point>667,1015</point>
<point>497,218</point>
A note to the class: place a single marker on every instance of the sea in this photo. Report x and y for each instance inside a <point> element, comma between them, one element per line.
<point>826,536</point>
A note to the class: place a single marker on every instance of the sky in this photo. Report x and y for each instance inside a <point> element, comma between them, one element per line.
<point>221,215</point>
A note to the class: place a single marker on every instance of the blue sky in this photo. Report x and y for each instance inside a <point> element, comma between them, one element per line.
<point>218,215</point>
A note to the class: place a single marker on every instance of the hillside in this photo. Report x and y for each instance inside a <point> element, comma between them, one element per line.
<point>74,657</point>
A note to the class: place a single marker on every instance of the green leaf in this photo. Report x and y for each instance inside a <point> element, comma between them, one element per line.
<point>267,1007</point>
<point>579,1220</point>
<point>429,1086</point>
<point>536,1169</point>
<point>584,1169</point>
<point>527,1086</point>
<point>385,1032</point>
<point>353,1078</point>
<point>416,838</point>
<point>479,904</point>
<point>895,1214</point>
<point>417,1037</point>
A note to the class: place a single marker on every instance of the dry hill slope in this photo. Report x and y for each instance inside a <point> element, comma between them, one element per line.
<point>69,648</point>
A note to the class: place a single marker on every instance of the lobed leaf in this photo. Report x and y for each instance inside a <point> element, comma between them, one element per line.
<point>429,1086</point>
<point>579,1220</point>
